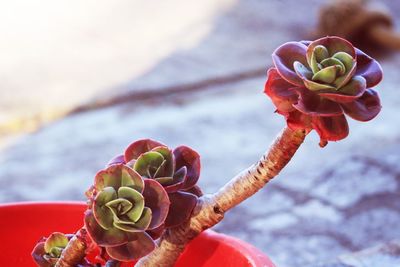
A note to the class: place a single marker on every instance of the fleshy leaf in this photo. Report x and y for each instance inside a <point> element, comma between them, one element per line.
<point>280,92</point>
<point>284,57</point>
<point>350,92</point>
<point>119,207</point>
<point>165,180</point>
<point>141,225</point>
<point>142,245</point>
<point>137,148</point>
<point>364,108</point>
<point>156,233</point>
<point>102,213</point>
<point>333,44</point>
<point>195,190</point>
<point>320,53</point>
<point>315,86</point>
<point>148,163</point>
<point>331,128</point>
<point>185,156</point>
<point>118,175</point>
<point>135,198</point>
<point>312,104</point>
<point>350,66</point>
<point>169,157</point>
<point>101,237</point>
<point>55,240</point>
<point>368,68</point>
<point>116,160</point>
<point>157,200</point>
<point>182,205</point>
<point>302,70</point>
<point>326,75</point>
<point>38,253</point>
<point>334,62</point>
<point>297,120</point>
<point>178,180</point>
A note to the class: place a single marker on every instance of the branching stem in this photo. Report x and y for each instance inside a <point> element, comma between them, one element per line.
<point>210,209</point>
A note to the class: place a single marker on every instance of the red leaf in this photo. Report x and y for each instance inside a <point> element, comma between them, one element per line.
<point>137,148</point>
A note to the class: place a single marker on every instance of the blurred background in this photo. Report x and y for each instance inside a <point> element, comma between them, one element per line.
<point>80,80</point>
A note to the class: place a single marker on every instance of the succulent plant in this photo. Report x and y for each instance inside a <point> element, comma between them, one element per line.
<point>48,250</point>
<point>123,206</point>
<point>313,84</point>
<point>176,170</point>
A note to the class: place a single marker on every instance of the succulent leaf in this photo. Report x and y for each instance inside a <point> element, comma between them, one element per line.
<point>157,200</point>
<point>148,163</point>
<point>139,247</point>
<point>182,205</point>
<point>284,57</point>
<point>185,156</point>
<point>55,243</point>
<point>325,75</point>
<point>137,148</point>
<point>335,80</point>
<point>125,206</point>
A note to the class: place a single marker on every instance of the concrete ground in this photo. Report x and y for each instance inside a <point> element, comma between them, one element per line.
<point>327,202</point>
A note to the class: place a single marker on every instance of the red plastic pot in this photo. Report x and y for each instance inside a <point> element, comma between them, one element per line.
<point>22,224</point>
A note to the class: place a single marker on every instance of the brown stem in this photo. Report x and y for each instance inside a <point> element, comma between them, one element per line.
<point>74,253</point>
<point>210,209</point>
<point>385,36</point>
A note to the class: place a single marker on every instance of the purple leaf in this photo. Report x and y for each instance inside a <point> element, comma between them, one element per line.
<point>185,156</point>
<point>312,104</point>
<point>350,92</point>
<point>284,58</point>
<point>156,198</point>
<point>182,205</point>
<point>101,237</point>
<point>369,68</point>
<point>133,250</point>
<point>364,108</point>
<point>116,160</point>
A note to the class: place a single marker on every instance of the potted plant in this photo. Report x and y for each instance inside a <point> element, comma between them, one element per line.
<point>145,208</point>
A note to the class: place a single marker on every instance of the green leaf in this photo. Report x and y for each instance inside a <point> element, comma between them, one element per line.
<point>354,86</point>
<point>334,62</point>
<point>314,86</point>
<point>169,165</point>
<point>148,163</point>
<point>111,237</point>
<point>55,240</point>
<point>349,63</point>
<point>164,180</point>
<point>320,52</point>
<point>326,75</point>
<point>302,70</point>
<point>102,213</point>
<point>131,178</point>
<point>136,199</point>
<point>105,196</point>
<point>119,207</point>
<point>141,225</point>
